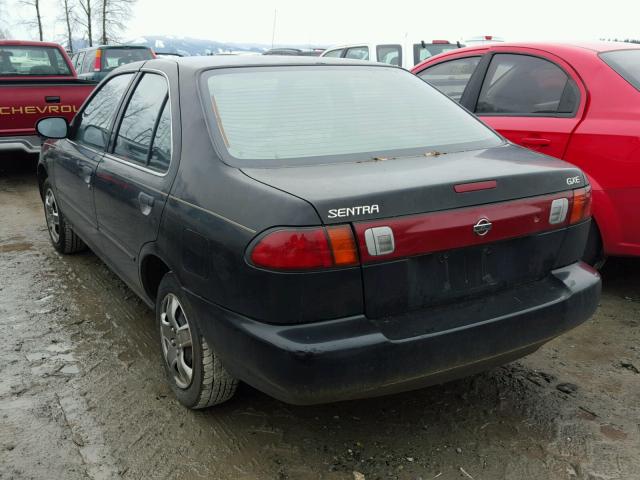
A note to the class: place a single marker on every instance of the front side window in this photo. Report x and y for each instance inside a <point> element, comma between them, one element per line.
<point>140,123</point>
<point>16,60</point>
<point>626,63</point>
<point>97,117</point>
<point>358,53</point>
<point>390,54</point>
<point>451,77</point>
<point>305,115</point>
<point>526,85</point>
<point>334,53</point>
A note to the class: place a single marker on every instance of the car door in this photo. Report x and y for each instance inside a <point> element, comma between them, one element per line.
<point>77,157</point>
<point>531,99</point>
<point>135,176</point>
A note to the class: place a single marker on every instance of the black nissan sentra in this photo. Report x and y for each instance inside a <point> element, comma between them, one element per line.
<point>320,229</point>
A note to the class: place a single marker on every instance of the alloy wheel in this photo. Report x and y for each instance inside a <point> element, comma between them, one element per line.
<point>177,343</point>
<point>53,215</point>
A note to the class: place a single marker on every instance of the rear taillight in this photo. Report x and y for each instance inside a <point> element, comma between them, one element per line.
<point>306,248</point>
<point>581,205</point>
<point>97,66</point>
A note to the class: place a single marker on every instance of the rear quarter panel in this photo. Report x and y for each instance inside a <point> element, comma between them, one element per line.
<point>606,145</point>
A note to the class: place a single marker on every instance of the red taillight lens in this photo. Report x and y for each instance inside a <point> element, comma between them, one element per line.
<point>97,65</point>
<point>306,249</point>
<point>581,206</point>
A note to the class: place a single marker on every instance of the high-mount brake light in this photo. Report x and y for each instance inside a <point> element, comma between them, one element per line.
<point>308,248</point>
<point>440,42</point>
<point>581,206</point>
<point>97,65</point>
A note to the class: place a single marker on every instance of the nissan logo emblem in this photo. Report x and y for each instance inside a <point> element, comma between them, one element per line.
<point>482,227</point>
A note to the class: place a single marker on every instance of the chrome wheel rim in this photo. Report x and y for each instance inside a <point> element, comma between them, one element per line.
<point>53,215</point>
<point>177,344</point>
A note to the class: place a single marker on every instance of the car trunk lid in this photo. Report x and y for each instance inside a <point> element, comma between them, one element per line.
<point>437,209</point>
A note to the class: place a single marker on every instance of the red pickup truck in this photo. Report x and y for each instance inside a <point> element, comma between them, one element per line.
<point>37,80</point>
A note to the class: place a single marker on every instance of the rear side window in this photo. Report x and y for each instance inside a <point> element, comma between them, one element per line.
<point>89,61</point>
<point>526,85</point>
<point>116,57</point>
<point>626,63</point>
<point>96,118</point>
<point>334,53</point>
<point>140,122</point>
<point>451,77</point>
<point>390,54</point>
<point>358,53</point>
<point>335,113</point>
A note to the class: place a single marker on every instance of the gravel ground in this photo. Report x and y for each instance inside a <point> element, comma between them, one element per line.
<point>82,393</point>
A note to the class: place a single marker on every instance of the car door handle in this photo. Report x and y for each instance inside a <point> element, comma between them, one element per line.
<point>86,174</point>
<point>535,141</point>
<point>146,203</point>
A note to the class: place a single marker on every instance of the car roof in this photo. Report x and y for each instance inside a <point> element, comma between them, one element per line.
<point>108,47</point>
<point>224,61</point>
<point>28,43</point>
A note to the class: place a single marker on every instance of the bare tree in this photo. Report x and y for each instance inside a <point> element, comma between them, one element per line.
<point>69,17</point>
<point>37,22</point>
<point>114,15</point>
<point>85,18</point>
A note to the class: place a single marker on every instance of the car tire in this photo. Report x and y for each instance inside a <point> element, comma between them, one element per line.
<point>62,236</point>
<point>195,372</point>
<point>594,250</point>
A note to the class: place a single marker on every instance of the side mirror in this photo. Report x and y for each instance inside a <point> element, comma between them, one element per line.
<point>53,127</point>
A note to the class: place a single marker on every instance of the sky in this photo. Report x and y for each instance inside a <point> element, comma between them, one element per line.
<point>346,21</point>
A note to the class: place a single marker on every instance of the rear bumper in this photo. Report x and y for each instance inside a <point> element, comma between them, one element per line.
<point>356,357</point>
<point>26,144</point>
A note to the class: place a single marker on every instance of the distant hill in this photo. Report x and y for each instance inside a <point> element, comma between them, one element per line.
<point>197,46</point>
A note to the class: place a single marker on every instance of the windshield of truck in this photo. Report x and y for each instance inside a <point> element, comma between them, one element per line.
<point>115,57</point>
<point>331,113</point>
<point>35,61</point>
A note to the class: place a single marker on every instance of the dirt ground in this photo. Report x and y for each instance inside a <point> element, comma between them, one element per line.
<point>82,393</point>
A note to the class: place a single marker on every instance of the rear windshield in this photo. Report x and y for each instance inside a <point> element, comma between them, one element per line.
<point>626,63</point>
<point>421,53</point>
<point>115,57</point>
<point>36,61</point>
<point>331,113</point>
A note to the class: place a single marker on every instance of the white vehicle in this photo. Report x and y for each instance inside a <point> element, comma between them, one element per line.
<point>481,39</point>
<point>405,55</point>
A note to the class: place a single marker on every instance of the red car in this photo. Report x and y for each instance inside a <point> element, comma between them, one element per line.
<point>577,102</point>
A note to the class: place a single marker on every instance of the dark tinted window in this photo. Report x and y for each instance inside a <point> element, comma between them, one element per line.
<point>391,54</point>
<point>521,84</point>
<point>451,77</point>
<point>89,61</point>
<point>96,118</point>
<point>115,57</point>
<point>626,63</point>
<point>140,117</point>
<point>161,147</point>
<point>358,53</point>
<point>334,53</point>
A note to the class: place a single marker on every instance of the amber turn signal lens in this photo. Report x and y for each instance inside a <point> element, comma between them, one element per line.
<point>343,245</point>
<point>581,208</point>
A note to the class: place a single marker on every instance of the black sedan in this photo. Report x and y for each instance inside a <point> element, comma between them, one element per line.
<point>320,229</point>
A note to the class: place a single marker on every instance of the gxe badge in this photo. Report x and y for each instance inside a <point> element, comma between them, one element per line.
<point>482,227</point>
